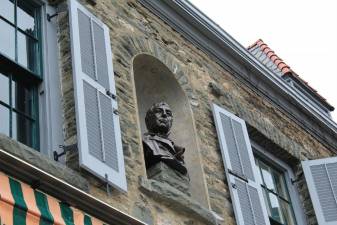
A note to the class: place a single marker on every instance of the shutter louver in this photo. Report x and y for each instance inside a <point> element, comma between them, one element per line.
<point>321,177</point>
<point>240,169</point>
<point>93,121</point>
<point>98,130</point>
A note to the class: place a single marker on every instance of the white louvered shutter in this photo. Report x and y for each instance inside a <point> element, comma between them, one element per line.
<point>240,169</point>
<point>321,177</point>
<point>98,130</point>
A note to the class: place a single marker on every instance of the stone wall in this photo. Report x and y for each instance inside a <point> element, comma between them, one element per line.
<point>133,31</point>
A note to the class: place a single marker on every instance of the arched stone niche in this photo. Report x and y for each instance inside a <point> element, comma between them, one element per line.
<point>154,82</point>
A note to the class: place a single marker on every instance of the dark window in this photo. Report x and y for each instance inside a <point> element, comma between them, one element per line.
<point>275,193</point>
<point>20,70</point>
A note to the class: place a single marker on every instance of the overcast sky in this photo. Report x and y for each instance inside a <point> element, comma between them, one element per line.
<point>301,32</point>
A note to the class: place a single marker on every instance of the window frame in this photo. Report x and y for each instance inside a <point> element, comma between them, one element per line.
<point>50,105</point>
<point>289,176</point>
<point>47,82</point>
<point>15,70</point>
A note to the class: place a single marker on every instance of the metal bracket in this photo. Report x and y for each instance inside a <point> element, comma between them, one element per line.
<point>107,185</point>
<point>60,8</point>
<point>66,149</point>
<point>116,112</point>
<point>294,181</point>
<point>113,96</point>
<point>299,177</point>
<point>49,17</point>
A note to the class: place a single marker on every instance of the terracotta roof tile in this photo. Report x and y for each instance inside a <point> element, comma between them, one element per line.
<point>268,55</point>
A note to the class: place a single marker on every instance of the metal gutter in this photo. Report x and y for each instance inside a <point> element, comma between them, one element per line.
<point>65,192</point>
<point>197,28</point>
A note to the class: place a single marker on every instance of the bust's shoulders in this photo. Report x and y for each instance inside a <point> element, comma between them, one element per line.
<point>147,138</point>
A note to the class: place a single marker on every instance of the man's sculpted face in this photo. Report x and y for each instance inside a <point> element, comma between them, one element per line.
<point>159,118</point>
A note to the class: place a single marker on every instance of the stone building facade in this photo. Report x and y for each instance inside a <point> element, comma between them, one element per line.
<point>156,58</point>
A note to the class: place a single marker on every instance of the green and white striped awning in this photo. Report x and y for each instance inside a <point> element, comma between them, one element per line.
<point>22,205</point>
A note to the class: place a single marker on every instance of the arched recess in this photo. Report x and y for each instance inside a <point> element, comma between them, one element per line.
<point>154,82</point>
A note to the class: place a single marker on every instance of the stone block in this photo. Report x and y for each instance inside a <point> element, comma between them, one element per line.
<point>165,174</point>
<point>177,200</point>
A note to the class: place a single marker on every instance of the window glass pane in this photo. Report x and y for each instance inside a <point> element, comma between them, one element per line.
<point>7,9</point>
<point>22,129</point>
<point>275,208</point>
<point>26,17</point>
<point>267,176</point>
<point>280,184</point>
<point>266,200</point>
<point>27,51</point>
<point>7,40</point>
<point>22,97</point>
<point>4,88</point>
<point>287,213</point>
<point>4,117</point>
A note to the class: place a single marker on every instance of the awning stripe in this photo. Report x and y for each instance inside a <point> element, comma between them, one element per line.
<point>87,220</point>
<point>6,200</point>
<point>67,214</point>
<point>42,204</point>
<point>20,207</point>
<point>55,210</point>
<point>6,213</point>
<point>78,216</point>
<point>5,189</point>
<point>95,221</point>
<point>33,213</point>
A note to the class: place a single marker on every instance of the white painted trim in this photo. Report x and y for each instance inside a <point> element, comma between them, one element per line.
<point>50,107</point>
<point>217,110</point>
<point>312,188</point>
<point>87,161</point>
<point>289,175</point>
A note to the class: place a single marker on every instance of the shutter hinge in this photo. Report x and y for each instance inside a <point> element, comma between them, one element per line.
<point>66,149</point>
<point>116,112</point>
<point>234,186</point>
<point>113,96</point>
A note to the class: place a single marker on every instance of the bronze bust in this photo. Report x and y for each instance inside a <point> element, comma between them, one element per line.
<point>157,145</point>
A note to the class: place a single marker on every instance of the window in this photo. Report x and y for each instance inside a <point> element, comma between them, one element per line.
<point>261,192</point>
<point>20,70</point>
<point>275,193</point>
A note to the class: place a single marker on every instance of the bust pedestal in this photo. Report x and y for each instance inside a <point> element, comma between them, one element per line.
<point>165,174</point>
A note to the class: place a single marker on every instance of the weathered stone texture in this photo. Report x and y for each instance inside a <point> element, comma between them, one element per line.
<point>133,31</point>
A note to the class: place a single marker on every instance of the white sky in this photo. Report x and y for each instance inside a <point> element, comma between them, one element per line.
<point>301,32</point>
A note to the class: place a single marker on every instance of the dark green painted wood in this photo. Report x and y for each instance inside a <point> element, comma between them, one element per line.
<point>42,204</point>
<point>20,206</point>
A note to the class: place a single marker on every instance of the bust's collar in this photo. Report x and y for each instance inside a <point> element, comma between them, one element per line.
<point>166,136</point>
